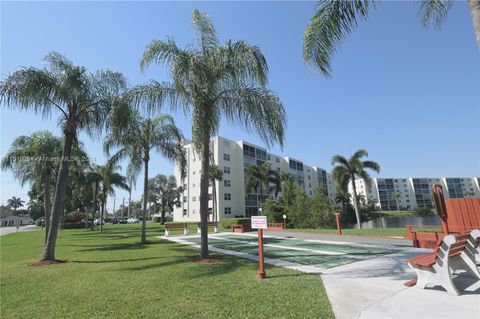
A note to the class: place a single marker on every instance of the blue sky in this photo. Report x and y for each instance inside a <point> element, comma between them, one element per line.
<point>408,95</point>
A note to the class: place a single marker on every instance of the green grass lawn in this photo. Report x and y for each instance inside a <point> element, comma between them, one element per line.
<point>111,275</point>
<point>364,232</point>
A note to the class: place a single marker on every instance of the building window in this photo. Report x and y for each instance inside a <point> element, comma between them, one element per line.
<point>226,145</point>
<point>309,177</point>
<point>227,210</point>
<point>184,199</point>
<point>310,185</point>
<point>226,183</point>
<point>226,157</point>
<point>194,198</point>
<point>226,170</point>
<point>227,196</point>
<point>193,173</point>
<point>277,160</point>
<point>210,196</point>
<point>184,211</point>
<point>193,185</point>
<point>185,186</point>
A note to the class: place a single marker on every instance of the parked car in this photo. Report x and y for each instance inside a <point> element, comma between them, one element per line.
<point>133,221</point>
<point>119,220</point>
<point>97,222</point>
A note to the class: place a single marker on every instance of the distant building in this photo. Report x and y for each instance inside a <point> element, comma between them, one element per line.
<point>234,158</point>
<point>415,192</point>
<point>15,220</point>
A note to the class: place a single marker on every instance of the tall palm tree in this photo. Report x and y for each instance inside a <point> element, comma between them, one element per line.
<point>396,196</point>
<point>335,19</point>
<point>262,180</point>
<point>15,203</point>
<point>347,171</point>
<point>211,81</point>
<point>136,137</point>
<point>33,159</point>
<point>81,98</point>
<point>93,179</point>
<point>215,174</point>
<point>287,182</point>
<point>165,190</point>
<point>109,179</point>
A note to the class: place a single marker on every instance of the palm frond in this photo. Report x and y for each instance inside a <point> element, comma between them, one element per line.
<point>256,109</point>
<point>434,12</point>
<point>328,27</point>
<point>207,36</point>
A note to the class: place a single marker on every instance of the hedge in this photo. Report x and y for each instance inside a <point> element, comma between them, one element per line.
<point>228,222</point>
<point>73,225</point>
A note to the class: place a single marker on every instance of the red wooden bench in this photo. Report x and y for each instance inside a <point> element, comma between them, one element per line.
<point>241,228</point>
<point>458,215</point>
<point>171,226</point>
<point>210,224</point>
<point>437,268</point>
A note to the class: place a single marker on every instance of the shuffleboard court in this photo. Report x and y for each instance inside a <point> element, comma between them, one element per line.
<point>316,253</point>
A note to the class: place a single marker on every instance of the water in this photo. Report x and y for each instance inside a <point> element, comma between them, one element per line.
<point>400,222</point>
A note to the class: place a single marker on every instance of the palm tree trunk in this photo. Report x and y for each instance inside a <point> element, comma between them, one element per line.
<point>214,201</point>
<point>474,6</point>
<point>60,187</point>
<point>145,198</point>
<point>204,198</point>
<point>355,203</point>
<point>260,199</point>
<point>101,214</point>
<point>129,200</point>
<point>47,205</point>
<point>94,208</point>
<point>162,218</point>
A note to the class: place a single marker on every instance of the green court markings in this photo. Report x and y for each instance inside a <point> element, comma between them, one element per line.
<point>294,252</point>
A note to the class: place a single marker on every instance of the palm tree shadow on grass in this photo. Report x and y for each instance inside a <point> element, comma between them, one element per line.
<point>115,260</point>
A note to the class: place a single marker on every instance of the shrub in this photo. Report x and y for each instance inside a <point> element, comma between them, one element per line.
<point>273,210</point>
<point>156,219</point>
<point>73,217</point>
<point>73,225</point>
<point>424,212</point>
<point>228,222</point>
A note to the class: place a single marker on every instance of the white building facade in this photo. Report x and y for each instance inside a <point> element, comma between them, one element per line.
<point>233,158</point>
<point>415,192</point>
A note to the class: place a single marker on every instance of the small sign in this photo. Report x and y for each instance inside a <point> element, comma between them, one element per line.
<point>259,222</point>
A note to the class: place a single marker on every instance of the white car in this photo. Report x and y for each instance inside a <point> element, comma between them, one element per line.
<point>133,220</point>
<point>96,222</point>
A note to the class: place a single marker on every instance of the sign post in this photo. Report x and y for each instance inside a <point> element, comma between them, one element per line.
<point>339,227</point>
<point>260,223</point>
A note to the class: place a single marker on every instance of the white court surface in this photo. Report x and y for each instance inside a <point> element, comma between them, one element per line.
<point>370,286</point>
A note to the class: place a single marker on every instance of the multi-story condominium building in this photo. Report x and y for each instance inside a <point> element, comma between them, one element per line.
<point>415,192</point>
<point>234,158</point>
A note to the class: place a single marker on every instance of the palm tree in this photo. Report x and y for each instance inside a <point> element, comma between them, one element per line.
<point>343,198</point>
<point>287,182</point>
<point>167,193</point>
<point>396,196</point>
<point>215,174</point>
<point>334,20</point>
<point>109,178</point>
<point>211,81</point>
<point>263,180</point>
<point>348,170</point>
<point>93,178</point>
<point>82,99</point>
<point>33,159</point>
<point>136,137</point>
<point>15,203</point>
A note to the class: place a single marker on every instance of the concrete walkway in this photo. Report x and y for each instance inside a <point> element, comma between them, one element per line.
<point>374,288</point>
<point>11,230</point>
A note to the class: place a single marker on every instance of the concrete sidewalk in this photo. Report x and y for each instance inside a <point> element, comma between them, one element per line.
<point>11,230</point>
<point>374,288</point>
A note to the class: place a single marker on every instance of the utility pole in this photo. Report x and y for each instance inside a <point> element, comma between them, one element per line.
<point>129,199</point>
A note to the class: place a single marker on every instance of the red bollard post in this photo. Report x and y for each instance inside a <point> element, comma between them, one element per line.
<point>339,227</point>
<point>261,271</point>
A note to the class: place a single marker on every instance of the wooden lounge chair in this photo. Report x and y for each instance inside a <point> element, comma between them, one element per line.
<point>437,268</point>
